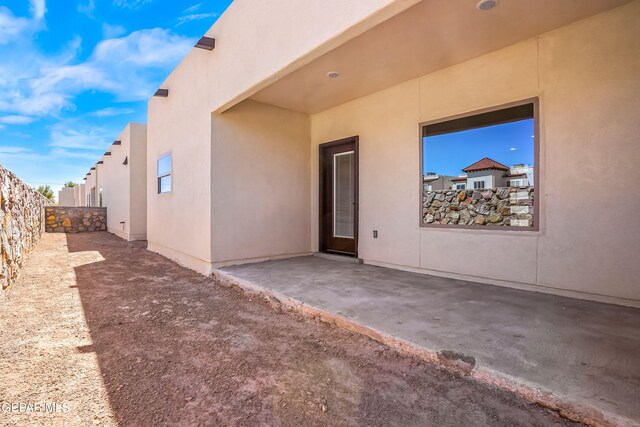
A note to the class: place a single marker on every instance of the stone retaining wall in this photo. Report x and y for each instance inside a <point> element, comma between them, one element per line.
<point>22,219</point>
<point>503,206</point>
<point>62,219</point>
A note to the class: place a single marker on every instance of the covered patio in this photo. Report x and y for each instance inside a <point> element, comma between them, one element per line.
<point>580,355</point>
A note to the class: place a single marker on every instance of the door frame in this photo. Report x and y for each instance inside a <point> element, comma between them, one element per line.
<point>356,157</point>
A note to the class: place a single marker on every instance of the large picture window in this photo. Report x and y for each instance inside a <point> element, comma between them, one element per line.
<point>479,170</point>
<point>164,174</point>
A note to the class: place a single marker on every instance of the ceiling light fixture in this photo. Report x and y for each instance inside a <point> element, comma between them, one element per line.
<point>332,74</point>
<point>486,4</point>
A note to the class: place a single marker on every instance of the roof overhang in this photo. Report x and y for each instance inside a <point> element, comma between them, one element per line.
<point>427,37</point>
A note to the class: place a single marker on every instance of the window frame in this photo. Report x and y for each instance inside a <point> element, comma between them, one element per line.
<point>159,177</point>
<point>538,215</point>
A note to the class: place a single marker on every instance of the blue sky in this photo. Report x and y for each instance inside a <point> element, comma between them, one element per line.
<point>73,73</point>
<point>508,143</point>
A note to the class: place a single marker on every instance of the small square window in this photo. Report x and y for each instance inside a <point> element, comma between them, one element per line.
<point>164,174</point>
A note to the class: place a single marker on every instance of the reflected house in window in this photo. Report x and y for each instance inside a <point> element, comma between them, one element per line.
<point>459,183</point>
<point>488,173</point>
<point>432,181</point>
<point>485,173</point>
<point>520,175</point>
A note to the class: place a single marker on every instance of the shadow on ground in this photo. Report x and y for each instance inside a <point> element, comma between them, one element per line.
<point>174,348</point>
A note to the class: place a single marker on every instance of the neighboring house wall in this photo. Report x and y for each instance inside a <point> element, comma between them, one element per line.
<point>66,197</point>
<point>99,177</point>
<point>80,200</point>
<point>124,190</point>
<point>138,182</point>
<point>90,186</point>
<point>442,182</point>
<point>528,170</point>
<point>22,222</point>
<point>585,75</point>
<point>260,183</point>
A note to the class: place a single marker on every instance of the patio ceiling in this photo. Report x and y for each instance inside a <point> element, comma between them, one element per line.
<point>432,35</point>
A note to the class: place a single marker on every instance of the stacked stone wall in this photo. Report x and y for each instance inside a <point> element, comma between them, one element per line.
<point>63,219</point>
<point>22,211</point>
<point>491,207</point>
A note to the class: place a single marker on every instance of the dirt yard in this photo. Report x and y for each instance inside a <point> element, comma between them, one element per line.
<point>116,335</point>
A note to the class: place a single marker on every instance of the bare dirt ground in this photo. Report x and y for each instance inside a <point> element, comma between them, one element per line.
<point>122,336</point>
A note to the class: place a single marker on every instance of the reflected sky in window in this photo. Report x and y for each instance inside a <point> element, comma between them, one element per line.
<point>508,143</point>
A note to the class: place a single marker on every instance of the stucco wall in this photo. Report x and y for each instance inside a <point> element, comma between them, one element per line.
<point>124,190</point>
<point>22,223</point>
<point>260,183</point>
<point>181,123</point>
<point>586,77</point>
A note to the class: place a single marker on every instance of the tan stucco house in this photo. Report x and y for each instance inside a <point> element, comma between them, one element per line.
<point>302,132</point>
<point>66,196</point>
<point>117,181</point>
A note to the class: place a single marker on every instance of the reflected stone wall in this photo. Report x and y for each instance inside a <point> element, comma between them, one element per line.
<point>490,207</point>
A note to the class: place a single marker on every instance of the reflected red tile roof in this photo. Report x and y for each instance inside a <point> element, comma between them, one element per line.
<point>485,163</point>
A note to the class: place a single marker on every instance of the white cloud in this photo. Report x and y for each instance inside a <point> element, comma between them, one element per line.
<point>38,8</point>
<point>13,150</point>
<point>10,25</point>
<point>194,17</point>
<point>144,48</point>
<point>20,135</point>
<point>192,8</point>
<point>131,4</point>
<point>87,8</point>
<point>38,168</point>
<point>110,31</point>
<point>75,154</point>
<point>16,120</point>
<point>512,149</point>
<point>127,67</point>
<point>83,139</point>
<point>112,111</point>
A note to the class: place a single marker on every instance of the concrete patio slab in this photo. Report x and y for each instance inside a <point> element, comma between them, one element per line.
<point>583,355</point>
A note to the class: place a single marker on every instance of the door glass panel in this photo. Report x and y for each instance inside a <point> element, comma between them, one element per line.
<point>343,195</point>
